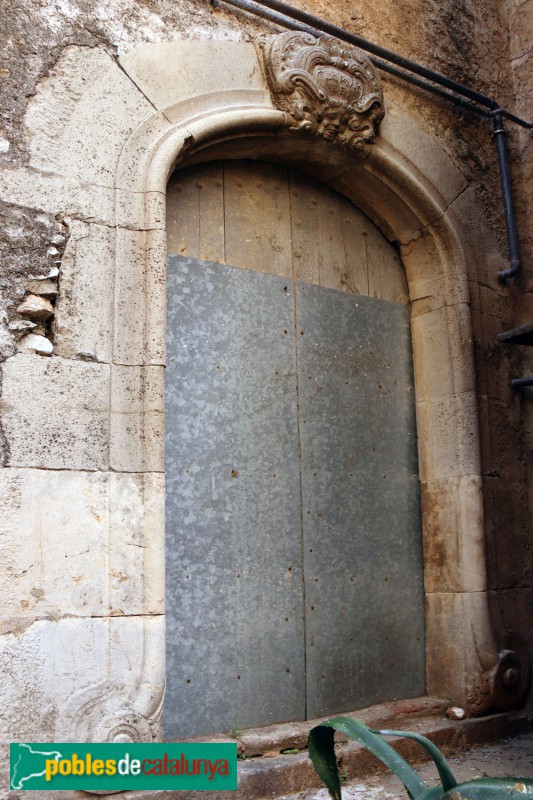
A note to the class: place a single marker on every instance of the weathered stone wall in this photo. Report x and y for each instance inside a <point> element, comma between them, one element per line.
<point>79,496</point>
<point>511,446</point>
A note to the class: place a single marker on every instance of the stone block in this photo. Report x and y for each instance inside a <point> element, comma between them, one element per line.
<point>140,211</point>
<point>446,289</point>
<point>135,171</point>
<point>45,663</point>
<point>85,100</point>
<point>45,288</point>
<point>497,359</point>
<point>103,536</point>
<point>385,203</point>
<point>132,693</point>
<point>494,727</point>
<point>448,444</point>
<point>483,255</point>
<point>199,73</point>
<point>459,648</point>
<point>497,303</point>
<point>54,525</point>
<point>524,309</point>
<point>424,261</point>
<point>137,442</point>
<point>512,540</point>
<point>474,293</point>
<point>57,195</point>
<point>286,775</point>
<point>431,163</point>
<point>136,544</point>
<point>521,28</point>
<point>83,322</point>
<point>137,423</point>
<point>74,679</point>
<point>56,413</point>
<point>37,344</point>
<point>491,555</point>
<point>454,543</point>
<point>506,455</point>
<point>480,355</point>
<point>136,390</point>
<point>36,308</point>
<point>514,612</point>
<point>386,276</point>
<point>140,297</point>
<point>442,350</point>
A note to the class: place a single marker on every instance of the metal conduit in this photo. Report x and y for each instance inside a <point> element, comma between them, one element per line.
<point>499,134</point>
<point>287,16</point>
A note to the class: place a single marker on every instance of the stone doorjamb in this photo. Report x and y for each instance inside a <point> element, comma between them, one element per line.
<point>201,100</point>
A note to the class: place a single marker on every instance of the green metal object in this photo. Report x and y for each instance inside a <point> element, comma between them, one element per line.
<point>322,754</point>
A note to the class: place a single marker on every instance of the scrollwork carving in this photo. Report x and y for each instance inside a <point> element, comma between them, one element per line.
<point>326,88</point>
<point>123,725</point>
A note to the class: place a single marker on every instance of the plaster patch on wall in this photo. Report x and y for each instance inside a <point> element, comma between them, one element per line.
<point>55,14</point>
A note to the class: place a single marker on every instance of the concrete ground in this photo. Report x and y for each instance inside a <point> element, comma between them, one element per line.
<point>509,757</point>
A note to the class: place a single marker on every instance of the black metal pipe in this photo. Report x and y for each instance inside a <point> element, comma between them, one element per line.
<point>456,99</point>
<point>521,383</point>
<point>314,24</point>
<point>499,134</point>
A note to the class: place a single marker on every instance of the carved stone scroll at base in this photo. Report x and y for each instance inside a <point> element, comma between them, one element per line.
<point>327,88</point>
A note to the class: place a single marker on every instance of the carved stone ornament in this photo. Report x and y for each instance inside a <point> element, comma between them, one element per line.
<point>327,88</point>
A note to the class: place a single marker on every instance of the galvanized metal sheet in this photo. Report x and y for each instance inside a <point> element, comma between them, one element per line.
<point>361,508</point>
<point>254,633</point>
<point>235,638</point>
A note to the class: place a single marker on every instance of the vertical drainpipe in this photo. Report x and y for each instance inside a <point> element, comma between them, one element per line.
<point>499,133</point>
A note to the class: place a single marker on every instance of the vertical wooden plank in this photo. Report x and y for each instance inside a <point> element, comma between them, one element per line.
<point>183,217</point>
<point>305,209</point>
<point>257,217</point>
<point>355,279</point>
<point>386,277</point>
<point>331,252</point>
<point>195,212</point>
<point>210,185</point>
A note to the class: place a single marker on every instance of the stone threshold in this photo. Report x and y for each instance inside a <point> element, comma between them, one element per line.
<point>274,763</point>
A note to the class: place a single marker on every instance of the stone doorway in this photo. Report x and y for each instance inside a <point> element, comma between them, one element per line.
<point>294,577</point>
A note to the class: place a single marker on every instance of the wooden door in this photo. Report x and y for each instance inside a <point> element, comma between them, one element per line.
<point>294,563</point>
